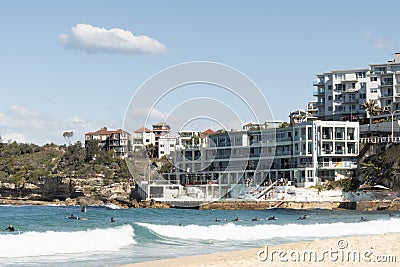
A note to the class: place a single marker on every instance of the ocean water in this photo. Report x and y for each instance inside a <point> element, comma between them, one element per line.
<point>46,237</point>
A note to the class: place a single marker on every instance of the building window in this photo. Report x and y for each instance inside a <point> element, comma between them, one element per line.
<point>339,75</point>
<point>339,133</point>
<point>330,97</point>
<point>373,79</point>
<point>171,145</point>
<point>329,87</point>
<point>360,74</point>
<point>340,87</point>
<point>373,90</point>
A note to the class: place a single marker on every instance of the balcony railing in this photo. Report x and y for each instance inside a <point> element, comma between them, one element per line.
<point>319,93</point>
<point>318,83</point>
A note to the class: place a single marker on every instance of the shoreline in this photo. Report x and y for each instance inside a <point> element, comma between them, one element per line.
<point>360,250</point>
<point>375,205</point>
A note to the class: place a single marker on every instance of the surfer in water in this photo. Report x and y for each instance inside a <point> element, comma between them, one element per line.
<point>362,219</point>
<point>303,218</point>
<point>73,217</point>
<point>10,228</point>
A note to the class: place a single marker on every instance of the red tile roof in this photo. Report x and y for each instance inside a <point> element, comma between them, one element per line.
<point>104,131</point>
<point>142,130</point>
<point>207,132</point>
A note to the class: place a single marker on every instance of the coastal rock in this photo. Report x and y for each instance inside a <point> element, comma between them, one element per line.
<point>89,201</point>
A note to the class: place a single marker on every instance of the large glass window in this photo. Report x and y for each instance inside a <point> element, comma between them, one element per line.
<point>339,133</point>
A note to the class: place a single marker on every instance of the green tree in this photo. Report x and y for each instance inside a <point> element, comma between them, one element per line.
<point>167,164</point>
<point>284,125</point>
<point>74,155</point>
<point>68,135</point>
<point>152,151</point>
<point>93,150</point>
<point>372,108</point>
<point>195,140</point>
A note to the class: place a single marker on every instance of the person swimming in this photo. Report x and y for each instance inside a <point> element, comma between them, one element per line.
<point>255,219</point>
<point>216,219</point>
<point>72,217</point>
<point>10,228</point>
<point>112,219</point>
<point>303,218</point>
<point>236,219</point>
<point>271,218</point>
<point>362,219</point>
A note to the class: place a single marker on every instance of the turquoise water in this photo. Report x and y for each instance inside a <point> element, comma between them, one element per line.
<point>45,237</point>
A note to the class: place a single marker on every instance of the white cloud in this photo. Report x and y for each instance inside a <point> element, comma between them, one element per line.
<point>26,126</point>
<point>379,42</point>
<point>137,117</point>
<point>94,40</point>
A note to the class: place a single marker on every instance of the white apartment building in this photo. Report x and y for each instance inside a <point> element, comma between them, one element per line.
<point>340,94</point>
<point>387,79</point>
<point>160,129</point>
<point>166,145</point>
<point>306,154</point>
<point>189,139</point>
<point>141,138</point>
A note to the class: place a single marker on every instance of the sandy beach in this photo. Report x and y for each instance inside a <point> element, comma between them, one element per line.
<point>372,250</point>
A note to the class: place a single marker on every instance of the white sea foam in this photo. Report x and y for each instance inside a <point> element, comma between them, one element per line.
<point>232,231</point>
<point>52,243</point>
<point>112,206</point>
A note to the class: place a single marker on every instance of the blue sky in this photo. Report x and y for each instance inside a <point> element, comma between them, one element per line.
<point>51,81</point>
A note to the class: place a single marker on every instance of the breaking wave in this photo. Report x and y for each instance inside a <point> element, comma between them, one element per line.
<point>52,243</point>
<point>232,231</point>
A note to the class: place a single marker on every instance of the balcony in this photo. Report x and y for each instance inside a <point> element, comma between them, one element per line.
<point>351,90</point>
<point>319,93</point>
<point>318,83</point>
<point>386,95</point>
<point>383,84</point>
<point>350,101</point>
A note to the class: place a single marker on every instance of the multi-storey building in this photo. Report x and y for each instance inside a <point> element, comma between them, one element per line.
<point>341,94</point>
<point>142,137</point>
<point>305,154</point>
<point>160,129</point>
<point>386,77</point>
<point>117,141</point>
<point>166,145</point>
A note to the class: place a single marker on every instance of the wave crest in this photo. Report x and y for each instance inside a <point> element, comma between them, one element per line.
<point>51,243</point>
<point>232,231</point>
